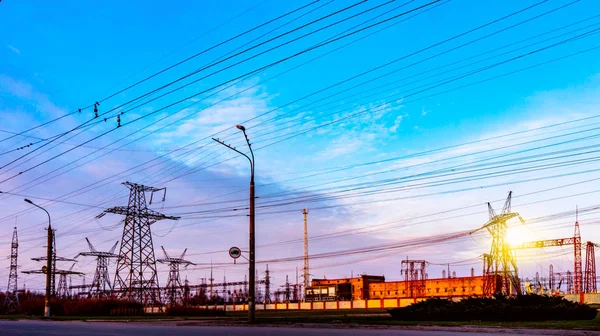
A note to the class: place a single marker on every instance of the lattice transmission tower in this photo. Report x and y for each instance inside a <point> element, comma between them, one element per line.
<point>174,289</point>
<point>501,274</point>
<point>11,301</point>
<point>590,281</point>
<point>305,269</point>
<point>64,282</point>
<point>100,286</point>
<point>136,277</point>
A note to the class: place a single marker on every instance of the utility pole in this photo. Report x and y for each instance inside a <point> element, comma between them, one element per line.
<point>49,261</point>
<point>305,271</point>
<point>251,259</point>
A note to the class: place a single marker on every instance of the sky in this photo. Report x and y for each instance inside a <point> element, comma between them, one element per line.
<point>394,123</point>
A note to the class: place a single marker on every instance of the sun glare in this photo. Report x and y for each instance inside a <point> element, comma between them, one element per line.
<point>519,234</point>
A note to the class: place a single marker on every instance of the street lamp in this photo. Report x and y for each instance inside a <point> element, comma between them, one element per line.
<point>251,259</point>
<point>48,260</point>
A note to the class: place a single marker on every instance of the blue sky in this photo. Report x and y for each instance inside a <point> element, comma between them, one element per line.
<point>56,59</point>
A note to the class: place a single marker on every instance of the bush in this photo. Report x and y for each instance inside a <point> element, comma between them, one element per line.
<point>81,307</point>
<point>498,308</point>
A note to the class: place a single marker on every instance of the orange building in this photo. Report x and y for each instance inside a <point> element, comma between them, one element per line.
<point>367,287</point>
<point>360,285</point>
<point>441,287</point>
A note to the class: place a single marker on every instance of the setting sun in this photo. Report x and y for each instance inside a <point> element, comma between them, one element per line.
<point>516,235</point>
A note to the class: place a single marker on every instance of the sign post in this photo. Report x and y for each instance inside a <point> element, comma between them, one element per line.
<point>235,253</point>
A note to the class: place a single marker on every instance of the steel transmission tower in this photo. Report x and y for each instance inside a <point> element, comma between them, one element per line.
<point>135,277</point>
<point>305,270</point>
<point>578,269</point>
<point>100,286</point>
<point>267,285</point>
<point>174,288</point>
<point>63,290</point>
<point>590,282</point>
<point>11,301</point>
<point>501,275</point>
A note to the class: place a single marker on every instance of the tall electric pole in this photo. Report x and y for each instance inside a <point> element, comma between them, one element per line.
<point>11,301</point>
<point>305,271</point>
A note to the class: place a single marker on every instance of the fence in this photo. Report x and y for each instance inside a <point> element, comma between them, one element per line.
<point>584,297</point>
<point>328,305</point>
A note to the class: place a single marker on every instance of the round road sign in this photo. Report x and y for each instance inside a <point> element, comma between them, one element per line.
<point>235,252</point>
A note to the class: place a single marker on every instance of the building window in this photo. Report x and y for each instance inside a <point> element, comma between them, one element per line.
<point>473,288</point>
<point>437,290</point>
<point>445,290</point>
<point>388,292</point>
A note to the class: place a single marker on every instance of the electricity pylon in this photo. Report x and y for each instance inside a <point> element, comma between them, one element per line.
<point>63,290</point>
<point>305,270</point>
<point>136,277</point>
<point>11,301</point>
<point>501,274</point>
<point>174,288</point>
<point>100,286</point>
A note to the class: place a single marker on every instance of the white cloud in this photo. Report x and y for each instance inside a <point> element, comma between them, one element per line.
<point>397,122</point>
<point>15,50</point>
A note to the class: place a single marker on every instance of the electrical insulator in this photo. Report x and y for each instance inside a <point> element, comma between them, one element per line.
<point>118,121</point>
<point>96,109</point>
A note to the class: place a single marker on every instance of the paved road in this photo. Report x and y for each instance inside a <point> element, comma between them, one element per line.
<point>47,328</point>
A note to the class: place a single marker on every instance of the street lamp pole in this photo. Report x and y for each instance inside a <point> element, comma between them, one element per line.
<point>251,259</point>
<point>49,269</point>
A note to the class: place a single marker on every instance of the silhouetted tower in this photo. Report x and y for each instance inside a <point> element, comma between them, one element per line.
<point>501,274</point>
<point>186,292</point>
<point>590,284</point>
<point>287,289</point>
<point>414,276</point>
<point>578,276</point>
<point>211,281</point>
<point>551,281</point>
<point>569,282</point>
<point>63,290</point>
<point>101,286</point>
<point>11,301</point>
<point>174,289</point>
<point>136,277</point>
<point>305,270</point>
<point>267,285</point>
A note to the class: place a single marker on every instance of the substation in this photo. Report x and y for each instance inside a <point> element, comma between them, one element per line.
<point>135,275</point>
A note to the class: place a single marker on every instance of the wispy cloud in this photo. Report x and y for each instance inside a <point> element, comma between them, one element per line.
<point>15,50</point>
<point>397,122</point>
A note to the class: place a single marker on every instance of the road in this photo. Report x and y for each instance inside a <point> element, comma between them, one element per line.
<point>46,328</point>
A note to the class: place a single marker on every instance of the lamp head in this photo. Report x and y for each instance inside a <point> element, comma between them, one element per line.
<point>240,127</point>
<point>28,201</point>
